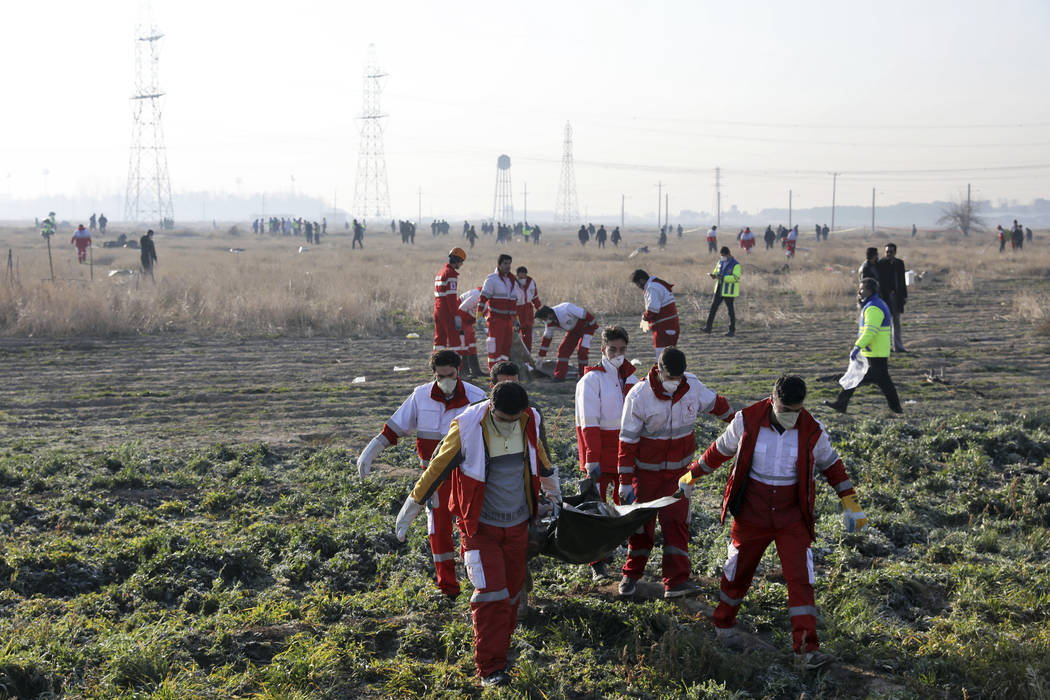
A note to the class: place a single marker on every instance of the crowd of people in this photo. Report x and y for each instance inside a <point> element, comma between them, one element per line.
<point>287,226</point>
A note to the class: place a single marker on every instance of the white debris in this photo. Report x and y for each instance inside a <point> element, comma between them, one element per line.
<point>303,249</point>
<point>401,369</point>
<point>412,336</point>
<point>358,380</point>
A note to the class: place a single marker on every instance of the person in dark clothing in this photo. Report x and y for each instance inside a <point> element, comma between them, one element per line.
<point>102,221</point>
<point>869,268</point>
<point>583,235</point>
<point>148,254</point>
<point>359,236</point>
<point>472,235</point>
<point>826,230</point>
<point>770,237</point>
<point>893,290</point>
<point>615,237</point>
<point>600,236</point>
<point>1028,233</point>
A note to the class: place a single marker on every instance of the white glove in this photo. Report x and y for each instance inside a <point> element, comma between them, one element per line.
<point>551,485</point>
<point>408,513</point>
<point>626,492</point>
<point>364,462</point>
<point>594,472</point>
<point>645,326</point>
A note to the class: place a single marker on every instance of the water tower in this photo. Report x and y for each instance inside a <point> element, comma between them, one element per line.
<point>503,202</point>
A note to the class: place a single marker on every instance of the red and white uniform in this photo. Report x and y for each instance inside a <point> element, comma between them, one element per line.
<point>499,303</point>
<point>579,326</point>
<point>468,313</point>
<point>599,406</point>
<point>712,240</point>
<point>528,302</point>
<point>747,240</point>
<point>82,240</point>
<point>428,414</point>
<point>656,445</point>
<point>771,495</point>
<point>661,313</point>
<point>446,309</point>
<point>790,241</point>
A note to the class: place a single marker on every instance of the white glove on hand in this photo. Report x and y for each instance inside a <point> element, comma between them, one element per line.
<point>626,493</point>
<point>364,462</point>
<point>594,472</point>
<point>645,326</point>
<point>408,513</point>
<point>551,485</point>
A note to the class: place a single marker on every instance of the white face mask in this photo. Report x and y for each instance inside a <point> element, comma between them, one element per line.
<point>671,386</point>
<point>787,419</point>
<point>447,385</point>
<point>724,258</point>
<point>521,283</point>
<point>617,361</point>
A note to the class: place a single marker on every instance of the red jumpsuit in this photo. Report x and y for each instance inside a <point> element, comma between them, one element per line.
<point>468,314</point>
<point>599,405</point>
<point>499,303</point>
<point>579,326</point>
<point>528,302</point>
<point>662,313</point>
<point>771,494</point>
<point>446,310</point>
<point>656,444</point>
<point>82,240</point>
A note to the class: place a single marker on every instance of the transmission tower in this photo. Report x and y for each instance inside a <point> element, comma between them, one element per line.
<point>503,202</point>
<point>566,210</point>
<point>371,196</point>
<point>148,197</point>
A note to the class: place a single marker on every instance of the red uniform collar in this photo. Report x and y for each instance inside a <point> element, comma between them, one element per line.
<point>658,387</point>
<point>458,398</point>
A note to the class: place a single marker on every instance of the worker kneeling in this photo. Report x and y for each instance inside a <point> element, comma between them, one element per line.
<point>496,464</point>
<point>780,449</point>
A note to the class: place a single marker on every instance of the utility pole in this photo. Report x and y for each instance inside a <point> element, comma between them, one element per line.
<point>789,208</point>
<point>718,196</point>
<point>659,201</point>
<point>371,192</point>
<point>873,210</point>
<point>834,180</point>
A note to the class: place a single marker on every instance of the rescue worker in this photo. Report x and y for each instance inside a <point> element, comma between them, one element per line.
<point>661,312</point>
<point>147,253</point>
<point>499,304</point>
<point>528,302</point>
<point>82,240</point>
<point>712,239</point>
<point>579,326</point>
<point>480,461</point>
<point>656,445</point>
<point>447,325</point>
<point>428,412</point>
<point>790,241</point>
<point>780,449</point>
<point>873,342</point>
<point>893,290</point>
<point>747,240</point>
<point>1001,235</point>
<point>599,405</point>
<point>727,288</point>
<point>468,342</point>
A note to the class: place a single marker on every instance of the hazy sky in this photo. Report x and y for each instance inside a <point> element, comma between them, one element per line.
<point>914,98</point>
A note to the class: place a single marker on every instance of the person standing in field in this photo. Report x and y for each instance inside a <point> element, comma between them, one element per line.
<point>727,275</point>
<point>148,254</point>
<point>493,464</point>
<point>499,304</point>
<point>893,290</point>
<point>869,269</point>
<point>791,240</point>
<point>660,315</point>
<point>615,237</point>
<point>447,325</point>
<point>468,315</point>
<point>712,239</point>
<point>656,446</point>
<point>82,240</point>
<point>579,326</point>
<point>747,240</point>
<point>359,236</point>
<point>582,235</point>
<point>528,302</point>
<point>769,237</point>
<point>428,412</point>
<point>92,222</point>
<point>873,342</point>
<point>599,405</point>
<point>102,221</point>
<point>779,450</point>
<point>600,236</point>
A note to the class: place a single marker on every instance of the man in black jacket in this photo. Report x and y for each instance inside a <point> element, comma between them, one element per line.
<point>893,290</point>
<point>147,253</point>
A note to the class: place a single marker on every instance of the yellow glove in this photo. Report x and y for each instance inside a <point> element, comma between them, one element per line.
<point>685,485</point>
<point>853,516</point>
<point>645,326</point>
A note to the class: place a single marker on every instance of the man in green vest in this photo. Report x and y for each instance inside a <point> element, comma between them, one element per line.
<point>873,342</point>
<point>727,288</point>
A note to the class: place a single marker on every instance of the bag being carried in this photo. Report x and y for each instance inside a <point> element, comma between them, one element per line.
<point>858,367</point>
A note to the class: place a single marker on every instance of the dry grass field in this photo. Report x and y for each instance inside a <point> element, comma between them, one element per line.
<point>182,517</point>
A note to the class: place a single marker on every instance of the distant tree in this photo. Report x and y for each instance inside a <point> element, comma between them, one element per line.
<point>962,214</point>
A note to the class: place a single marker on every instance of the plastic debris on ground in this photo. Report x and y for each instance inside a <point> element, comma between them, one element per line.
<point>358,380</point>
<point>858,367</point>
<point>412,335</point>
<point>401,369</point>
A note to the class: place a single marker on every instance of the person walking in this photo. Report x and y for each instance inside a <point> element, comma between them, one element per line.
<point>468,314</point>
<point>712,239</point>
<point>82,240</point>
<point>869,269</point>
<point>480,461</point>
<point>599,406</point>
<point>727,275</point>
<point>359,236</point>
<point>779,450</point>
<point>579,326</point>
<point>893,290</point>
<point>769,237</point>
<point>428,412</point>
<point>600,236</point>
<point>147,254</point>
<point>528,302</point>
<point>615,237</point>
<point>747,240</point>
<point>447,325</point>
<point>656,446</point>
<point>873,342</point>
<point>499,305</point>
<point>660,315</point>
<point>582,235</point>
<point>791,240</point>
